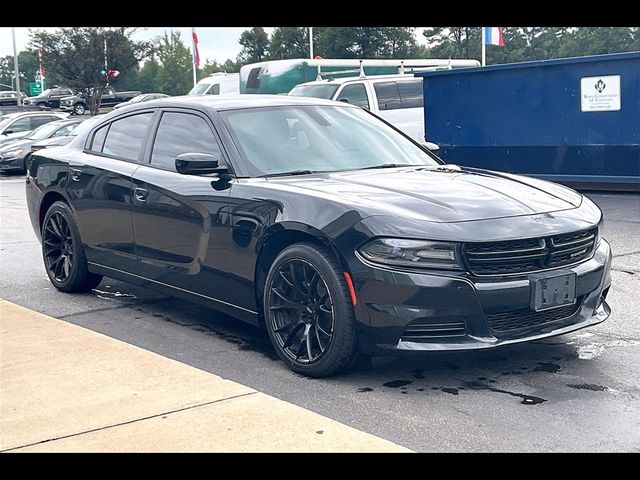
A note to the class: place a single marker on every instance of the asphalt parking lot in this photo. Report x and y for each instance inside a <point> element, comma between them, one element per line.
<point>578,392</point>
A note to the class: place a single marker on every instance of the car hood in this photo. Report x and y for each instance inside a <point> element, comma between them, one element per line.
<point>53,141</point>
<point>13,144</point>
<point>445,193</point>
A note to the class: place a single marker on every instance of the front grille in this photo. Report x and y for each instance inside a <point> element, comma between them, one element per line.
<point>529,255</point>
<point>515,319</point>
<point>424,330</point>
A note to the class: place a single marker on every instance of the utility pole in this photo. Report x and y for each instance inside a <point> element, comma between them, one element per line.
<point>16,67</point>
<point>311,43</point>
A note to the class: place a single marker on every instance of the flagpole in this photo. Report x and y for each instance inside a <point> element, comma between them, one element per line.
<point>484,48</point>
<point>193,56</point>
<point>16,68</point>
<point>311,43</point>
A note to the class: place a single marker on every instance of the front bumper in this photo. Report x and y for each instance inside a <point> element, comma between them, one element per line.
<point>11,163</point>
<point>66,108</point>
<point>455,311</point>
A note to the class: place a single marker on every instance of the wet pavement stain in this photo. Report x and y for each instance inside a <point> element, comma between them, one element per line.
<point>417,373</point>
<point>526,399</point>
<point>419,389</point>
<point>405,392</point>
<point>588,386</point>
<point>547,367</point>
<point>364,389</point>
<point>397,383</point>
<point>452,391</point>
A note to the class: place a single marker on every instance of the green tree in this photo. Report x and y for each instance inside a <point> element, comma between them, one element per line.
<point>289,42</point>
<point>77,57</point>
<point>148,76</point>
<point>255,44</point>
<point>366,42</point>
<point>175,77</point>
<point>28,64</point>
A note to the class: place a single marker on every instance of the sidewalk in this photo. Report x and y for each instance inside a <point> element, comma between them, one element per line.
<point>64,388</point>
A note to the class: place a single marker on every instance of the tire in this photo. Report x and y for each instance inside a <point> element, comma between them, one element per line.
<point>62,251</point>
<point>79,109</point>
<point>308,312</point>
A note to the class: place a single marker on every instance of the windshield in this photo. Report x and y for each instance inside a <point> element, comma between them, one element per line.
<point>6,121</point>
<point>45,93</point>
<point>199,89</point>
<point>85,126</point>
<point>275,140</point>
<point>44,131</point>
<point>138,98</point>
<point>321,90</point>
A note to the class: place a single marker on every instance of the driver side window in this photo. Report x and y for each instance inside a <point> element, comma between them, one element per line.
<point>354,94</point>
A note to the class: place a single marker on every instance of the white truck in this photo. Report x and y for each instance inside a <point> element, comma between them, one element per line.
<point>218,84</point>
<point>395,98</point>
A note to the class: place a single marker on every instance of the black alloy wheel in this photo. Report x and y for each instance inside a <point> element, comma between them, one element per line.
<point>79,109</point>
<point>63,253</point>
<point>308,311</point>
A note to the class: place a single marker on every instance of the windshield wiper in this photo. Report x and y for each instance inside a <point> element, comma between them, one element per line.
<point>388,165</point>
<point>286,174</point>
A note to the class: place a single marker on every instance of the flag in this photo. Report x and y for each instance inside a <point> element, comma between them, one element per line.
<point>493,36</point>
<point>196,54</point>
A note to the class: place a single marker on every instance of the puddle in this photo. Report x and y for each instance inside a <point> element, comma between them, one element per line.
<point>111,295</point>
<point>526,399</point>
<point>452,391</point>
<point>364,389</point>
<point>588,386</point>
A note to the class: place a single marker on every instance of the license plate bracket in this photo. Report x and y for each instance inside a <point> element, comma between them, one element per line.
<point>552,292</point>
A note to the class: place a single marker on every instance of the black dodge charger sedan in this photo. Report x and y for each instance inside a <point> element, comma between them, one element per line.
<point>319,221</point>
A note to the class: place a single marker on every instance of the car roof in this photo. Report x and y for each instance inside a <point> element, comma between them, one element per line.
<point>370,78</point>
<point>40,112</point>
<point>232,102</point>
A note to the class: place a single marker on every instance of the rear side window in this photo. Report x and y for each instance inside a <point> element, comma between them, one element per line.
<point>98,139</point>
<point>253,81</point>
<point>388,95</point>
<point>355,94</point>
<point>214,90</point>
<point>127,136</point>
<point>411,93</point>
<point>181,133</point>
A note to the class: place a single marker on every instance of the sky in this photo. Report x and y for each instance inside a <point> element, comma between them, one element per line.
<point>214,43</point>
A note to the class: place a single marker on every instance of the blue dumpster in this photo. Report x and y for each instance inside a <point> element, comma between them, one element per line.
<point>571,120</point>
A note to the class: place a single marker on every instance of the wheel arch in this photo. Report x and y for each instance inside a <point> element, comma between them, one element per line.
<point>275,240</point>
<point>49,199</point>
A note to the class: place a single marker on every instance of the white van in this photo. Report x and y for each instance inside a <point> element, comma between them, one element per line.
<point>218,84</point>
<point>395,98</point>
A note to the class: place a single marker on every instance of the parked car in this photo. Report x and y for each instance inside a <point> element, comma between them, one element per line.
<point>14,153</point>
<point>319,221</point>
<point>143,97</point>
<point>77,104</point>
<point>50,98</point>
<point>58,141</point>
<point>10,97</point>
<point>396,98</point>
<point>17,125</point>
<point>220,83</point>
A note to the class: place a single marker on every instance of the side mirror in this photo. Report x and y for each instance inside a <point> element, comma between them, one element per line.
<point>199,164</point>
<point>7,132</point>
<point>345,100</point>
<point>432,147</point>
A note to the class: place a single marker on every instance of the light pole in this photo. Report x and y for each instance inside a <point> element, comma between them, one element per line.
<point>16,67</point>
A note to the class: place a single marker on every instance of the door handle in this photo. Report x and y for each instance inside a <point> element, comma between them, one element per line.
<point>141,194</point>
<point>76,173</point>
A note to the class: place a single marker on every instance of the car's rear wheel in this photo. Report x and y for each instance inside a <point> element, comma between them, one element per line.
<point>63,254</point>
<point>308,311</point>
<point>79,109</point>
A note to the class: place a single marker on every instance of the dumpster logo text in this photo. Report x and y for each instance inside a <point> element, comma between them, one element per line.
<point>600,94</point>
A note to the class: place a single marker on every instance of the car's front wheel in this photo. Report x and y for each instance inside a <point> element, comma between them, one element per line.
<point>63,254</point>
<point>308,312</point>
<point>79,109</point>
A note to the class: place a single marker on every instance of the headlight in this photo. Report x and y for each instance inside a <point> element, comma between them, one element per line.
<point>412,253</point>
<point>13,153</point>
